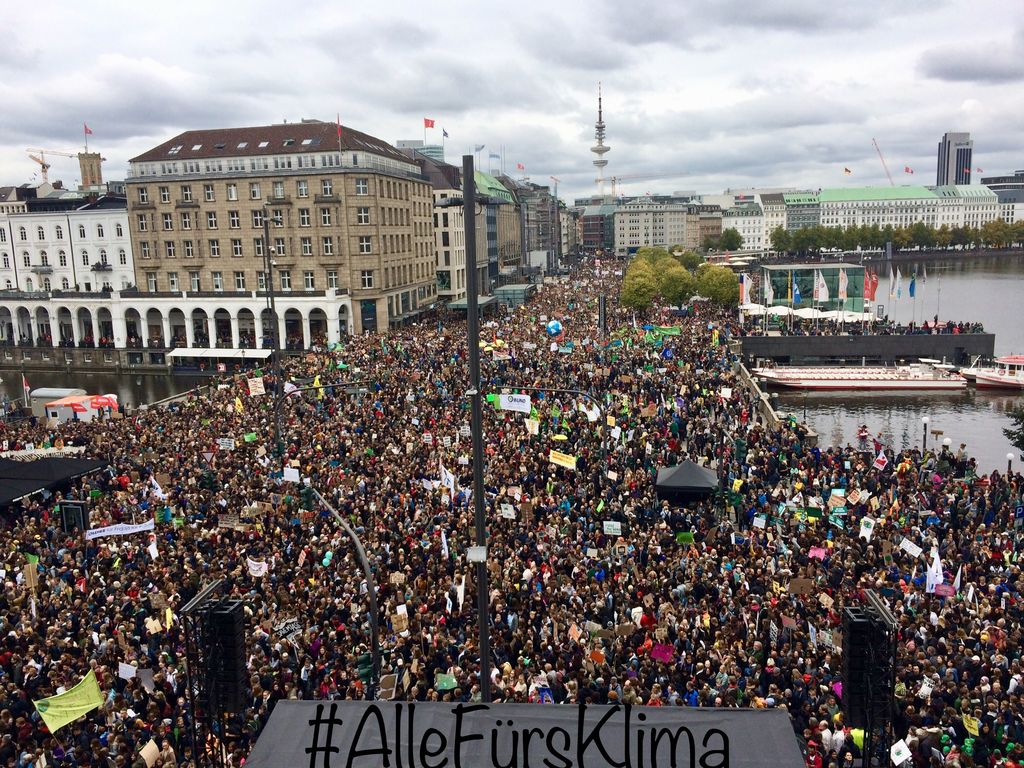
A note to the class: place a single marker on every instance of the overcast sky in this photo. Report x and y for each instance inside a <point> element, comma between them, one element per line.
<point>703,95</point>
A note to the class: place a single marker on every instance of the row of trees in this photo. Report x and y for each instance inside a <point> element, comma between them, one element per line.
<point>676,278</point>
<point>993,234</point>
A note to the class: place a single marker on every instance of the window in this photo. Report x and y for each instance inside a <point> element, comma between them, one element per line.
<point>47,285</point>
<point>118,231</point>
<point>257,218</point>
<point>234,221</point>
<point>30,287</point>
<point>239,281</point>
<point>363,215</point>
<point>172,281</point>
<point>64,283</point>
<point>40,233</point>
<point>165,194</point>
<point>236,247</point>
<point>261,281</point>
<point>190,250</point>
<point>144,245</point>
<point>366,278</point>
<point>208,195</point>
<point>169,250</point>
<point>279,246</point>
<point>307,246</point>
<point>218,281</point>
<point>99,230</point>
<point>143,222</point>
<point>44,259</point>
<point>85,258</point>
<point>308,280</point>
<point>277,218</point>
<point>325,216</point>
<point>286,279</point>
<point>211,219</point>
<point>328,245</point>
<point>362,186</point>
<point>193,281</point>
<point>23,234</point>
<point>186,193</point>
<point>186,220</point>
<point>302,188</point>
<point>62,258</point>
<point>151,281</point>
<point>103,256</point>
<point>143,195</point>
<point>81,232</point>
<point>168,221</point>
<point>27,260</point>
<point>254,190</point>
<point>332,278</point>
<point>257,246</point>
<point>326,187</point>
<point>215,248</point>
<point>7,261</point>
<point>365,244</point>
<point>278,189</point>
<point>303,217</point>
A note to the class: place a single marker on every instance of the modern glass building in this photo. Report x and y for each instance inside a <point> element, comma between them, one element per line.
<point>783,278</point>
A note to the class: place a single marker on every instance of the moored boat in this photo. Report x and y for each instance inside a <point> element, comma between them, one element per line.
<point>1006,373</point>
<point>913,377</point>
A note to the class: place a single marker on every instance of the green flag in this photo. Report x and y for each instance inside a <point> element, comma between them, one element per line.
<point>95,493</point>
<point>34,559</point>
<point>250,437</point>
<point>445,682</point>
<point>57,711</point>
<point>684,537</point>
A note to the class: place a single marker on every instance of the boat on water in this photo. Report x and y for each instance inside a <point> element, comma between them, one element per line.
<point>1006,373</point>
<point>912,378</point>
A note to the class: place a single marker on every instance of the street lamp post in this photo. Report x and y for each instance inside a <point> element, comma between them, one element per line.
<point>476,425</point>
<point>924,438</point>
<point>1009,463</point>
<point>268,266</point>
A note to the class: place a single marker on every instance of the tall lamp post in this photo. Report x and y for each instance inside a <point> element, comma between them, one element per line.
<point>1009,463</point>
<point>268,266</point>
<point>924,437</point>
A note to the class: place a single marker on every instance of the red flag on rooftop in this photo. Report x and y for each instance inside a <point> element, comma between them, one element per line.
<point>907,169</point>
<point>88,130</point>
<point>428,122</point>
<point>520,166</point>
<point>339,125</point>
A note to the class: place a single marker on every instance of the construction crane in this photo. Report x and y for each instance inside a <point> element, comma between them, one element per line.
<point>642,176</point>
<point>886,167</point>
<point>41,159</point>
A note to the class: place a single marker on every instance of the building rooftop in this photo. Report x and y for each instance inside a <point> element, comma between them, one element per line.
<point>818,265</point>
<point>858,194</point>
<point>965,190</point>
<point>490,186</point>
<point>286,138</point>
<point>800,198</point>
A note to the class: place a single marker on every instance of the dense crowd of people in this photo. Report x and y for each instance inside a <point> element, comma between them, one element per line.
<point>735,600</point>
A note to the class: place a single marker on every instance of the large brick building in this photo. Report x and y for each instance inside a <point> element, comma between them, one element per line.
<point>349,232</point>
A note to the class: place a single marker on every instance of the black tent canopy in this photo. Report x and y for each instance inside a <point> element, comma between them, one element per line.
<point>685,482</point>
<point>21,478</point>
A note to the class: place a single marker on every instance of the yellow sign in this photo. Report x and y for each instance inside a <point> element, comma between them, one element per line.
<point>610,421</point>
<point>562,459</point>
<point>971,724</point>
<point>57,711</point>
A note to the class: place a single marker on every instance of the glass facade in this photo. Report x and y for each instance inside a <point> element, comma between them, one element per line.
<point>783,278</point>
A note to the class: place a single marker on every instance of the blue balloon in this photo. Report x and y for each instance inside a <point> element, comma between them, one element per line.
<point>554,328</point>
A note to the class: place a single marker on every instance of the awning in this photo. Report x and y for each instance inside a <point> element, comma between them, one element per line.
<point>77,403</point>
<point>482,301</point>
<point>221,354</point>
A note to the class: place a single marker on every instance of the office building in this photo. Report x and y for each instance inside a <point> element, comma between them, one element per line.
<point>955,157</point>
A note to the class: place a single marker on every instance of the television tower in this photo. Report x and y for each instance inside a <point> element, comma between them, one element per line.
<point>599,149</point>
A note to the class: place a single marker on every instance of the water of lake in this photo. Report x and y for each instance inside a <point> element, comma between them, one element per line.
<point>988,290</point>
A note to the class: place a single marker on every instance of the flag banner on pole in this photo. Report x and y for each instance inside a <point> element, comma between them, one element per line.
<point>339,125</point>
<point>907,169</point>
<point>479,147</point>
<point>892,284</point>
<point>847,172</point>
<point>820,286</point>
<point>899,284</point>
<point>880,462</point>
<point>444,133</point>
<point>912,288</point>
<point>844,283</point>
<point>88,130</point>
<point>796,292</point>
<point>769,293</point>
<point>520,166</point>
<point>57,711</point>
<point>428,122</point>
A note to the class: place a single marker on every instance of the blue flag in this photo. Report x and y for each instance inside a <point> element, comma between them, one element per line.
<point>913,284</point>
<point>796,293</point>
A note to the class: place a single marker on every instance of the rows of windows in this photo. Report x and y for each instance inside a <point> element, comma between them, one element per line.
<point>58,232</point>
<point>253,190</point>
<point>190,248</point>
<point>194,281</point>
<point>62,258</point>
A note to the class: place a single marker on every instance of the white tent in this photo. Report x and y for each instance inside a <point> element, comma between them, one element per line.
<point>754,310</point>
<point>779,310</point>
<point>809,313</point>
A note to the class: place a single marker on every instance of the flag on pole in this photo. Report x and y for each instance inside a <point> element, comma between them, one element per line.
<point>912,289</point>
<point>967,170</point>
<point>520,166</point>
<point>494,156</point>
<point>444,133</point>
<point>744,288</point>
<point>820,286</point>
<point>796,292</point>
<point>339,126</point>
<point>978,170</point>
<point>25,388</point>
<point>769,293</point>
<point>847,172</point>
<point>892,284</point>
<point>479,147</point>
<point>880,462</point>
<point>924,274</point>
<point>844,283</point>
<point>907,169</point>
<point>870,284</point>
<point>57,711</point>
<point>956,581</point>
<point>934,575</point>
<point>899,284</point>
<point>428,122</point>
<point>88,130</point>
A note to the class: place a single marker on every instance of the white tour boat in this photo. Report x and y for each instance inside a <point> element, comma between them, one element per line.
<point>913,377</point>
<point>1006,373</point>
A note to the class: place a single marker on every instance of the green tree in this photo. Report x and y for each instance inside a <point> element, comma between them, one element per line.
<point>901,239</point>
<point>805,240</point>
<point>719,284</point>
<point>943,236</point>
<point>1015,433</point>
<point>780,239</point>
<point>1018,232</point>
<point>996,233</point>
<point>676,285</point>
<point>690,260</point>
<point>921,235</point>
<point>960,236</point>
<point>639,286</point>
<point>731,240</point>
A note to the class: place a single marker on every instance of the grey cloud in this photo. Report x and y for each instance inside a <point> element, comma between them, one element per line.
<point>999,62</point>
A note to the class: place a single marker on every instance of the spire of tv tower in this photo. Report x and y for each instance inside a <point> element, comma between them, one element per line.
<point>599,149</point>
